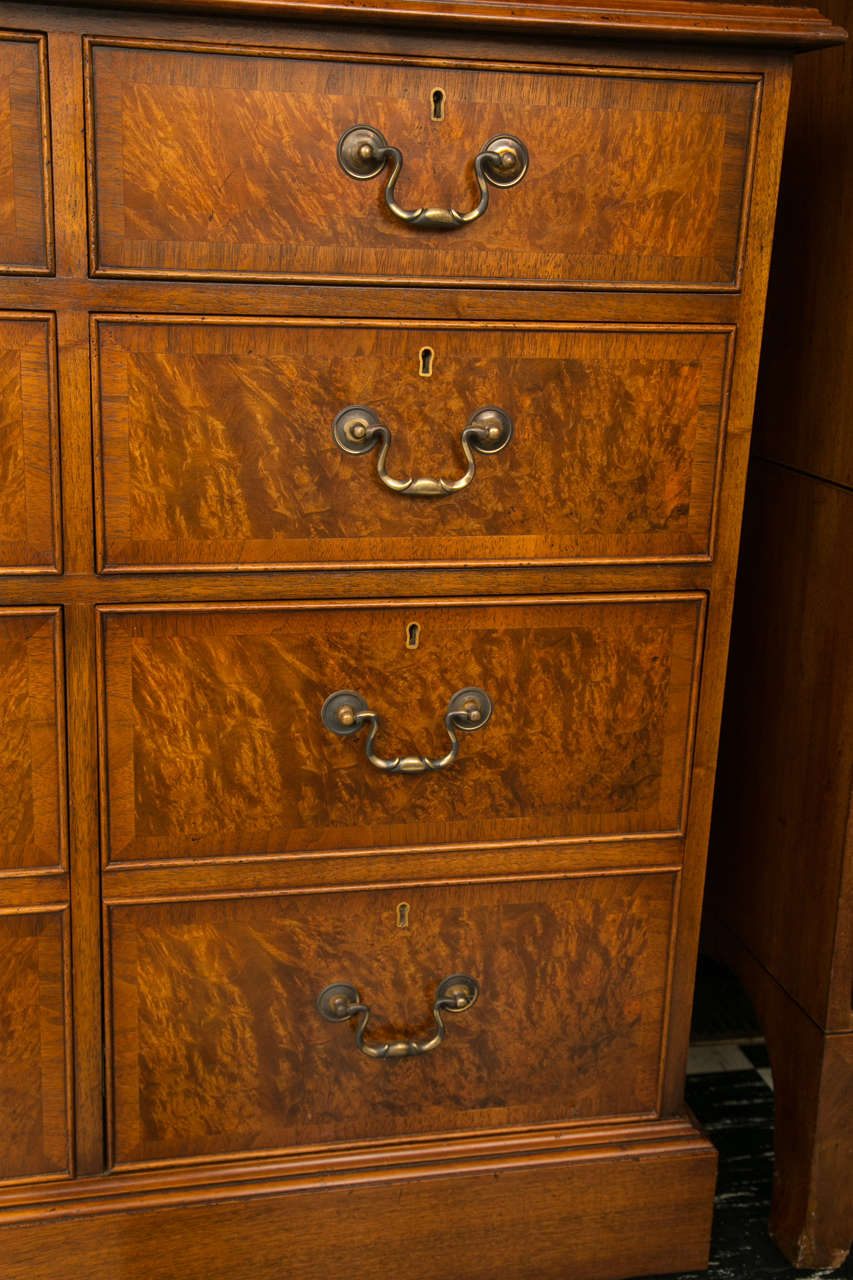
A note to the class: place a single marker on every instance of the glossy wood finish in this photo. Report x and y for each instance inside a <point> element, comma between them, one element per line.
<point>29,449</point>
<point>217,1045</point>
<point>214,743</point>
<point>588,1195</point>
<point>216,445</point>
<point>35,1008</point>
<point>26,230</point>
<point>651,1202</point>
<point>781,870</point>
<point>224,164</point>
<point>32,742</point>
<point>718,22</point>
<point>34,1072</point>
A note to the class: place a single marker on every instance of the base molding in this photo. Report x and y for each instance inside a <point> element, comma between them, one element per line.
<point>639,1206</point>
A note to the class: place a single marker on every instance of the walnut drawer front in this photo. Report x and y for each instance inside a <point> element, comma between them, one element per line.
<point>216,448</point>
<point>215,746</point>
<point>218,1047</point>
<point>33,834</point>
<point>26,226</point>
<point>220,162</point>
<point>29,447</point>
<point>35,1015</point>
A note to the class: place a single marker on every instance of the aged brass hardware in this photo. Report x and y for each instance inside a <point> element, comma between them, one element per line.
<point>363,154</point>
<point>403,909</point>
<point>426,355</point>
<point>413,635</point>
<point>340,1001</point>
<point>345,712</point>
<point>357,430</point>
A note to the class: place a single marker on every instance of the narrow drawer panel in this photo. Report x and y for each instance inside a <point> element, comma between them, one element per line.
<point>34,1104</point>
<point>224,163</point>
<point>216,442</point>
<point>26,229</point>
<point>29,445</point>
<point>32,741</point>
<point>215,743</point>
<point>218,1046</point>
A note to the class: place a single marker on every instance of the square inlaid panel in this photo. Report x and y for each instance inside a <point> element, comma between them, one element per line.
<point>216,448</point>
<point>223,162</point>
<point>29,445</point>
<point>26,224</point>
<point>214,742</point>
<point>218,1046</point>
<point>34,1102</point>
<point>32,741</point>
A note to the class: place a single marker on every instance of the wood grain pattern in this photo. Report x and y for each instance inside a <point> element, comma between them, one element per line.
<point>215,744</point>
<point>34,1105</point>
<point>781,859</point>
<point>26,229</point>
<point>786,762</point>
<point>650,1202</point>
<point>721,22</point>
<point>584,1196</point>
<point>805,389</point>
<point>216,448</point>
<point>32,741</point>
<point>30,537</point>
<point>634,178</point>
<point>217,1045</point>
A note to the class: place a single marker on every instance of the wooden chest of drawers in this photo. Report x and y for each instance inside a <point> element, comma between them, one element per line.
<point>377,387</point>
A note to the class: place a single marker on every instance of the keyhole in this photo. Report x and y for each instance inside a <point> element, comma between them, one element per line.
<point>426,356</point>
<point>438,100</point>
<point>403,915</point>
<point>413,635</point>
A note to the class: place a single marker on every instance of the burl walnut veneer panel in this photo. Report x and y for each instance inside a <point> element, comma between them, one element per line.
<point>32,741</point>
<point>218,1046</point>
<point>224,163</point>
<point>26,228</point>
<point>215,746</point>
<point>216,448</point>
<point>29,461</point>
<point>34,1109</point>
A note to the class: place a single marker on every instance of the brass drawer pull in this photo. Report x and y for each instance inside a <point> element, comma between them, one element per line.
<point>357,430</point>
<point>345,712</point>
<point>340,1001</point>
<point>363,153</point>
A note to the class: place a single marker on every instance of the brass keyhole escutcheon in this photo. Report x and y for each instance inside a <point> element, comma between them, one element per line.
<point>403,910</point>
<point>439,97</point>
<point>426,359</point>
<point>413,635</point>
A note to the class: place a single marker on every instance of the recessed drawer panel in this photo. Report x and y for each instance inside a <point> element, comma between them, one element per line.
<point>217,446</point>
<point>32,741</point>
<point>34,1014</point>
<point>218,1045</point>
<point>223,163</point>
<point>26,228</point>
<point>29,445</point>
<point>215,743</point>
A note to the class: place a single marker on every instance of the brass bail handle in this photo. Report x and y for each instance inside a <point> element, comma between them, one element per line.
<point>346,712</point>
<point>363,153</point>
<point>357,430</point>
<point>340,1001</point>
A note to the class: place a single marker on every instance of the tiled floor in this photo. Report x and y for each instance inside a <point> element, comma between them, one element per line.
<point>729,1088</point>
